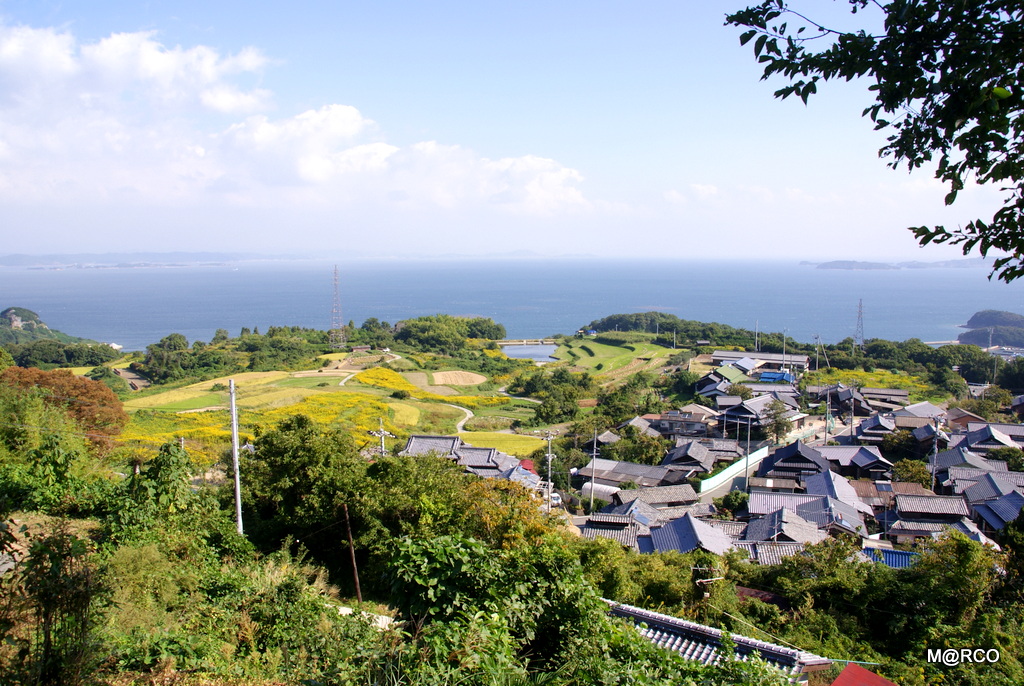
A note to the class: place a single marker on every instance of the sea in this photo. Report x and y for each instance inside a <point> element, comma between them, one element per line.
<point>136,306</point>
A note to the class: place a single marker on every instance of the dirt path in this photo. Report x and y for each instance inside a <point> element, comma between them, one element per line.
<point>462,423</point>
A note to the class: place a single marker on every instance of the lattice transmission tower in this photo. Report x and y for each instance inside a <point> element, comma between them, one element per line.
<point>336,336</point>
<point>858,335</point>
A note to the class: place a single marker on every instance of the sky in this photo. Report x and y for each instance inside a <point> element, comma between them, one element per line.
<point>599,128</point>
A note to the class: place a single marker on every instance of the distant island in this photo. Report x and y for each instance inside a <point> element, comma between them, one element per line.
<point>994,327</point>
<point>967,263</point>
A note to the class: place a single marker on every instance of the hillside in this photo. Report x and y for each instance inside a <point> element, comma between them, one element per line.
<point>18,325</point>
<point>994,327</point>
<point>987,318</point>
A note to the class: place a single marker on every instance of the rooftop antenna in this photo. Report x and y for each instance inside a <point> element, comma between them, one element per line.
<point>336,337</point>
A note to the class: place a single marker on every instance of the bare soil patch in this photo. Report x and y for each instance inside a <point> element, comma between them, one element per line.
<point>459,378</point>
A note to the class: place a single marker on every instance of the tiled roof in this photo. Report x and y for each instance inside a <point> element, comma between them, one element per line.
<point>845,455</point>
<point>1001,511</point>
<point>731,528</point>
<point>987,487</point>
<point>689,533</point>
<point>657,495</point>
<point>612,472</point>
<point>769,552</point>
<point>921,409</point>
<point>786,524</point>
<point>441,445</point>
<point>761,503</point>
<point>831,484</point>
<point>621,528</point>
<point>827,512</point>
<point>931,505</point>
<point>703,643</point>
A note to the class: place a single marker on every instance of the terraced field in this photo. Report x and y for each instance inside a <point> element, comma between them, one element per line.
<point>613,363</point>
<point>356,402</point>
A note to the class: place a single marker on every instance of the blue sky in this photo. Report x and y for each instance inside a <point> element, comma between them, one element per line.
<point>400,128</point>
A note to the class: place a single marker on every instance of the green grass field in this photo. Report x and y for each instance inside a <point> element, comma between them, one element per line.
<point>612,362</point>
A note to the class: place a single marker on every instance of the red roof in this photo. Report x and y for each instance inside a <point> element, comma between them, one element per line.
<point>855,675</point>
<point>528,466</point>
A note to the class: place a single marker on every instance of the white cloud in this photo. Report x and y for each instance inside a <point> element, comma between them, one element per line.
<point>128,119</point>
<point>704,190</point>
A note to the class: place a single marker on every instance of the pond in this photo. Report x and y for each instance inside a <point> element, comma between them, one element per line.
<point>540,353</point>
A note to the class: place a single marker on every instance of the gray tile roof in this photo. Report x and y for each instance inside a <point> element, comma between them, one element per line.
<point>621,528</point>
<point>946,505</point>
<point>921,409</point>
<point>761,503</point>
<point>444,446</point>
<point>689,533</point>
<point>769,552</point>
<point>845,455</point>
<point>611,472</point>
<point>681,494</point>
<point>704,644</point>
<point>784,524</point>
<point>987,487</point>
<point>831,484</point>
<point>999,512</point>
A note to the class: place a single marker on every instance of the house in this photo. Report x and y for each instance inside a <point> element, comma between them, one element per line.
<point>826,512</point>
<point>794,461</point>
<point>755,412</point>
<point>924,410</point>
<point>689,533</point>
<point>697,456</point>
<point>612,473</point>
<point>784,525</point>
<point>958,419</point>
<point>857,461</point>
<point>705,644</point>
<point>1014,431</point>
<point>886,399</point>
<point>881,495</point>
<point>984,438</point>
<point>842,400</point>
<point>489,463</point>
<point>603,439</point>
<point>769,361</point>
<point>835,486</point>
<point>625,529</point>
<point>675,423</point>
<point>659,497</point>
<point>996,513</point>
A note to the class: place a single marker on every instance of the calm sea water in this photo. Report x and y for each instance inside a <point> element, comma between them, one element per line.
<point>532,298</point>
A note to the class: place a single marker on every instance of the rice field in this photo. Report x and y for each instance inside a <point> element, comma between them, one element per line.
<point>513,444</point>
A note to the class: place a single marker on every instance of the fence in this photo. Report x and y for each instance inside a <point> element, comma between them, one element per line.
<point>737,468</point>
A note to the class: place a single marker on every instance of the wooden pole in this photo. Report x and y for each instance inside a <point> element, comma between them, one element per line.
<point>352,552</point>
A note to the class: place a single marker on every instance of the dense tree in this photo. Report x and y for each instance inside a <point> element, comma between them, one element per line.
<point>91,404</point>
<point>775,422</point>
<point>296,480</point>
<point>912,471</point>
<point>946,78</point>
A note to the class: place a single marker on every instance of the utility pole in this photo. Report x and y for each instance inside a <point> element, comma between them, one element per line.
<point>381,434</point>
<point>593,457</point>
<point>352,553</point>
<point>549,456</point>
<point>935,453</point>
<point>234,456</point>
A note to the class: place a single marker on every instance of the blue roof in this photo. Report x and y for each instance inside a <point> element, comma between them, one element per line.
<point>897,559</point>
